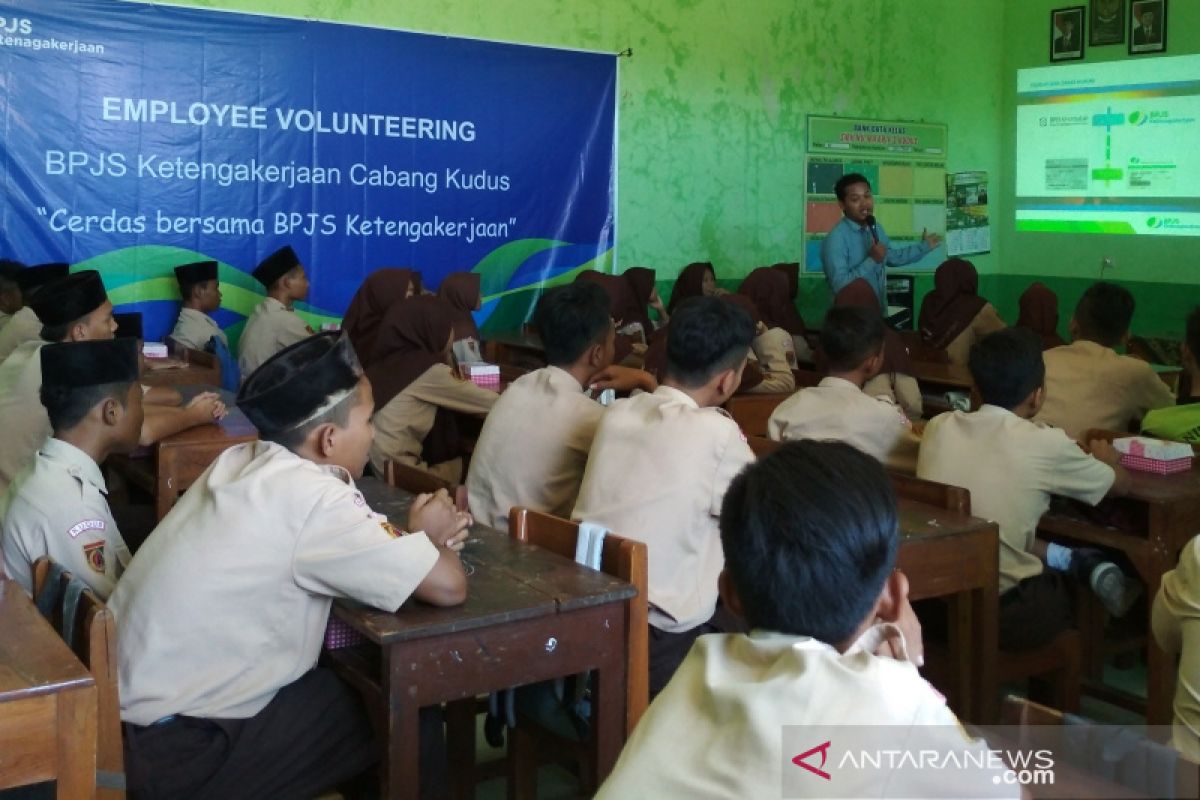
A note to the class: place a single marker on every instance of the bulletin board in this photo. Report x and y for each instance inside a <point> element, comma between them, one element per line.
<point>906,165</point>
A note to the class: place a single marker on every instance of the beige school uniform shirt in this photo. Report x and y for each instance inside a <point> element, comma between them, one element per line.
<point>986,321</point>
<point>271,327</point>
<point>24,424</point>
<point>1176,624</point>
<point>900,389</point>
<point>404,422</point>
<point>837,409</point>
<point>1089,385</point>
<point>5,318</point>
<point>56,507</point>
<point>1011,467</point>
<point>194,329</point>
<point>533,447</point>
<point>722,727</point>
<point>657,473</point>
<point>776,356</point>
<point>227,601</point>
<point>24,326</point>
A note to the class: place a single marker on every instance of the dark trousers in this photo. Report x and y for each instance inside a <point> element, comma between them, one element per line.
<point>313,735</point>
<point>667,650</point>
<point>1036,610</point>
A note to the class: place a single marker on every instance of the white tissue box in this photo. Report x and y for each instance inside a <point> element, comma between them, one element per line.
<point>1145,454</point>
<point>154,350</point>
<point>482,374</point>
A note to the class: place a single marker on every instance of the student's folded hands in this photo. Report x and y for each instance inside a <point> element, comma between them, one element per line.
<point>442,522</point>
<point>207,407</point>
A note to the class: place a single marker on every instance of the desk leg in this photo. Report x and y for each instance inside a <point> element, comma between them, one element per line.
<point>77,743</point>
<point>609,702</point>
<point>985,610</point>
<point>399,768</point>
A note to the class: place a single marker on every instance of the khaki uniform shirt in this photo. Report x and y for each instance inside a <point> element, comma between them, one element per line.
<point>24,326</point>
<point>402,425</point>
<point>901,389</point>
<point>24,424</point>
<point>721,728</point>
<point>837,409</point>
<point>1011,467</point>
<point>227,601</point>
<point>271,327</point>
<point>1176,623</point>
<point>533,448</point>
<point>985,322</point>
<point>194,328</point>
<point>5,318</point>
<point>658,472</point>
<point>776,357</point>
<point>56,508</point>
<point>1089,385</point>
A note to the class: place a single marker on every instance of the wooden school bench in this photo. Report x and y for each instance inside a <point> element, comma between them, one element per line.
<point>530,615</point>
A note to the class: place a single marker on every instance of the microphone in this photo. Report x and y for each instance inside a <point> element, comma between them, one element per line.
<point>871,225</point>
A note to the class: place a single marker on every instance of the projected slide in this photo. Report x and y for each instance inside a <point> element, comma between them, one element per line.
<point>1110,148</point>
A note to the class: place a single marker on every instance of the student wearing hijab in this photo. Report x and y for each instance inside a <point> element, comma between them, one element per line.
<point>895,379</point>
<point>953,316</point>
<point>1039,313</point>
<point>413,381</point>
<point>461,291</point>
<point>769,289</point>
<point>631,294</point>
<point>696,280</point>
<point>378,292</point>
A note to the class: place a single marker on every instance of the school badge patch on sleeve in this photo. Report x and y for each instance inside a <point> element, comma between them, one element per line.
<point>94,555</point>
<point>391,529</point>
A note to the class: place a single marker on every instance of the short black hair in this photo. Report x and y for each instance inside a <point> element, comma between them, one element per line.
<point>571,319</point>
<point>68,405</point>
<point>58,333</point>
<point>810,534</point>
<point>851,335</point>
<point>186,289</point>
<point>1192,333</point>
<point>846,181</point>
<point>8,274</point>
<point>707,335</point>
<point>1104,312</point>
<point>1007,366</point>
<point>338,414</point>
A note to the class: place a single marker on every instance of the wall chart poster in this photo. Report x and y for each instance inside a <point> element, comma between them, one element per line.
<point>905,163</point>
<point>968,230</point>
<point>137,137</point>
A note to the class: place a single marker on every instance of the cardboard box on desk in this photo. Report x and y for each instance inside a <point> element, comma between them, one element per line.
<point>482,374</point>
<point>1154,455</point>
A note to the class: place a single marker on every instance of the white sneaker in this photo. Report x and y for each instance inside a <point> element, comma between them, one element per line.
<point>1117,591</point>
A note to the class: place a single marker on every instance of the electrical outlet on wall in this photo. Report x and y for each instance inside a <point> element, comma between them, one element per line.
<point>1107,263</point>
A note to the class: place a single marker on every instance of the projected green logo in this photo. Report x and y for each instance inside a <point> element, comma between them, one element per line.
<point>1138,118</point>
<point>1153,222</point>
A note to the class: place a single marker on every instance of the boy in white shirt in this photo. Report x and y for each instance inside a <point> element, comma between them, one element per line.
<point>837,407</point>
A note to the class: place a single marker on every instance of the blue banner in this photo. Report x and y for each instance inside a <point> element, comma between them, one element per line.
<point>138,137</point>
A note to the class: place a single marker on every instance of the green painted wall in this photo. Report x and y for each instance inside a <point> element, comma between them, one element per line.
<point>1162,271</point>
<point>713,102</point>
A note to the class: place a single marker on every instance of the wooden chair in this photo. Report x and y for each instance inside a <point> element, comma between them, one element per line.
<point>418,481</point>
<point>953,498</point>
<point>763,446</point>
<point>94,640</point>
<point>622,558</point>
<point>751,411</point>
<point>806,377</point>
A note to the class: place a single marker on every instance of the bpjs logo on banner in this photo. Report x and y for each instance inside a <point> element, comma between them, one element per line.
<point>16,25</point>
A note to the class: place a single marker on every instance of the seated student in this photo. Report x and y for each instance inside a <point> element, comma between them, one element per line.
<point>460,291</point>
<point>810,539</point>
<point>415,388</point>
<point>224,608</point>
<point>1011,467</point>
<point>378,292</point>
<point>274,324</point>
<point>768,288</point>
<point>24,325</point>
<point>631,294</point>
<point>201,293</point>
<point>1176,624</point>
<point>75,309</point>
<point>895,379</point>
<point>1088,385</point>
<point>659,466</point>
<point>837,407</point>
<point>1182,422</point>
<point>535,442</point>
<point>953,316</point>
<point>1039,313</point>
<point>695,280</point>
<point>55,506</point>
<point>10,290</point>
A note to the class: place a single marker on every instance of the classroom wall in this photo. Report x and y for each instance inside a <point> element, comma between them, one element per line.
<point>713,102</point>
<point>1162,272</point>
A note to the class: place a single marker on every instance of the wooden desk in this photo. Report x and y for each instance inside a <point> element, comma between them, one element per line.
<point>948,554</point>
<point>518,348</point>
<point>1164,514</point>
<point>47,703</point>
<point>186,375</point>
<point>752,411</point>
<point>529,616</point>
<point>954,377</point>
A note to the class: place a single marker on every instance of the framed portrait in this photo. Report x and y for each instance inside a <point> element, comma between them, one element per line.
<point>1066,34</point>
<point>1106,22</point>
<point>1147,26</point>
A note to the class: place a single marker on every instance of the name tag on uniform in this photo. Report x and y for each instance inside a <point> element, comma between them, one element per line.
<point>86,525</point>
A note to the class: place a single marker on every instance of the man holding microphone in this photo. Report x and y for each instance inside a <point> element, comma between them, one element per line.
<point>857,246</point>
